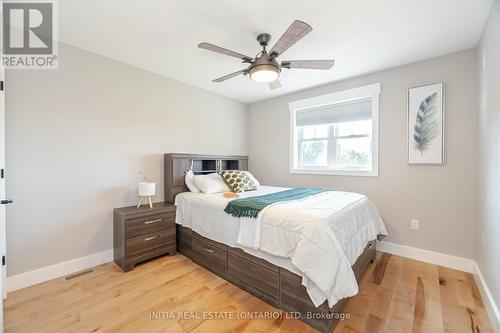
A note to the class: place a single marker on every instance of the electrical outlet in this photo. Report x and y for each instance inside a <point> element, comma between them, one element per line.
<point>414,224</point>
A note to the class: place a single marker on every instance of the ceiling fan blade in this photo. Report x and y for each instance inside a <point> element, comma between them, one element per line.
<point>292,35</point>
<point>275,84</point>
<point>229,76</point>
<point>218,49</point>
<point>308,64</point>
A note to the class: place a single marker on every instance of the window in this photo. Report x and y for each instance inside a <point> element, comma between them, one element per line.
<point>336,133</point>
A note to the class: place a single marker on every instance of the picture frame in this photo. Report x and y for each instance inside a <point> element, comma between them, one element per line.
<point>425,124</point>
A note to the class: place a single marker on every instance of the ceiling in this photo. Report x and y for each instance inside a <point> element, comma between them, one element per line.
<point>361,35</point>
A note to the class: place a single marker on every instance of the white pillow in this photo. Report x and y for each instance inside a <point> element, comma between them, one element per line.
<point>189,179</point>
<point>211,183</point>
<point>253,179</point>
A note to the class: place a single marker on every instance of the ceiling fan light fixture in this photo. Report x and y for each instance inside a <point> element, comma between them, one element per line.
<point>264,73</point>
<point>264,67</point>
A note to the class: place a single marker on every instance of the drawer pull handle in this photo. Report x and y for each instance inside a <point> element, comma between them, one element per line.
<point>153,221</point>
<point>151,238</point>
<point>208,250</point>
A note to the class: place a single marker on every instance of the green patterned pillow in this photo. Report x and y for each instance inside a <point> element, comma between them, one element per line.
<point>237,181</point>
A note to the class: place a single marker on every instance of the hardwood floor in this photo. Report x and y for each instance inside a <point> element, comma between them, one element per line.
<point>396,295</point>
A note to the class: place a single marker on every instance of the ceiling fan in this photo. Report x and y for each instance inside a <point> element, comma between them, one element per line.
<point>264,67</point>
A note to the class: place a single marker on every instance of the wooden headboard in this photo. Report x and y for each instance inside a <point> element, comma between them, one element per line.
<point>176,166</point>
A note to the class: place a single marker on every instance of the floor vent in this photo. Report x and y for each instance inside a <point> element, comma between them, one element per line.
<point>78,274</point>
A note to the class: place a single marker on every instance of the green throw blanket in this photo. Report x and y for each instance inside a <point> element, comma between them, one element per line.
<point>251,207</point>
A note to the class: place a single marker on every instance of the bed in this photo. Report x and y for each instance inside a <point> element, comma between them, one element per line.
<point>304,256</point>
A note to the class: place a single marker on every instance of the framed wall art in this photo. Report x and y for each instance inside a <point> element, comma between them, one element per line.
<point>426,125</point>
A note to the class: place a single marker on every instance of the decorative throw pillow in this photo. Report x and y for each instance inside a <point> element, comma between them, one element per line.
<point>254,180</point>
<point>237,181</point>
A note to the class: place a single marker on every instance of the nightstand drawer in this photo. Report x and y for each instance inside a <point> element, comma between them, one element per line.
<point>150,224</point>
<point>150,241</point>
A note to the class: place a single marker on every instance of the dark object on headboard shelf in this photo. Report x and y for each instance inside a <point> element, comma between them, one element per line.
<point>176,166</point>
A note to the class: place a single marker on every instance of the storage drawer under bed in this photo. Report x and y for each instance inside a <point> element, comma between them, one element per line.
<point>209,255</point>
<point>253,274</point>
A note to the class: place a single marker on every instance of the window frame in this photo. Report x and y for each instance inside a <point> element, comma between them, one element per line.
<point>369,91</point>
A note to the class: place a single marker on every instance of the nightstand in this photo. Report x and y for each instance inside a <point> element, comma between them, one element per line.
<point>143,233</point>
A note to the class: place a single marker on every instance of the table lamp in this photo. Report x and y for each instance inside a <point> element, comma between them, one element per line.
<point>146,190</point>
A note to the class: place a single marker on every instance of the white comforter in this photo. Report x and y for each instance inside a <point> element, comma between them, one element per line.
<point>323,235</point>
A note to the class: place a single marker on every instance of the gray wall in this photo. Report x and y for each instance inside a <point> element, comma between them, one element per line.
<point>92,129</point>
<point>489,159</point>
<point>80,138</point>
<point>443,198</point>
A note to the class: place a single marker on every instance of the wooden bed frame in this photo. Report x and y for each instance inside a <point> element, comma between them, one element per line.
<point>270,283</point>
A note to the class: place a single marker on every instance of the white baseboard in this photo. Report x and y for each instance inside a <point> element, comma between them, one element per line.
<point>436,258</point>
<point>491,306</point>
<point>445,260</point>
<point>43,274</point>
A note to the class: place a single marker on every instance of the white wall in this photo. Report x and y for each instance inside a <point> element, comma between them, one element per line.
<point>442,197</point>
<point>80,138</point>
<point>488,239</point>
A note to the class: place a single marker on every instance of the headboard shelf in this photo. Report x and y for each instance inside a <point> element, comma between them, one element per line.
<point>176,166</point>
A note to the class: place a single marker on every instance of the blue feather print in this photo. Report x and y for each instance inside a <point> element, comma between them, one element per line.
<point>426,125</point>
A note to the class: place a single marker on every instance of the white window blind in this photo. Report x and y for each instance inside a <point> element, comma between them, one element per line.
<point>336,133</point>
<point>336,113</point>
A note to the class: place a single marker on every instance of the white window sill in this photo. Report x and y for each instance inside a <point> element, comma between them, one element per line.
<point>359,173</point>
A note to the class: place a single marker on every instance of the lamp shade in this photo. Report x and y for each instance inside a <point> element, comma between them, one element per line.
<point>264,73</point>
<point>147,189</point>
